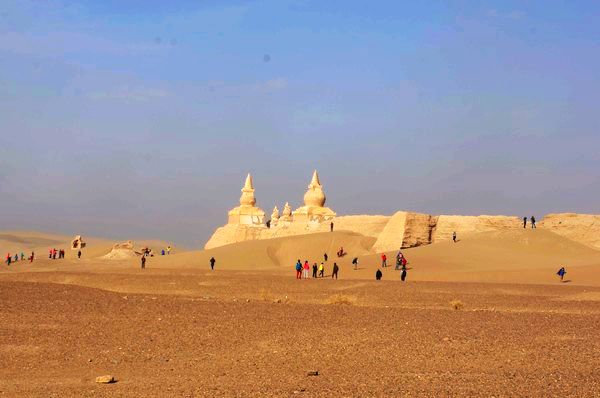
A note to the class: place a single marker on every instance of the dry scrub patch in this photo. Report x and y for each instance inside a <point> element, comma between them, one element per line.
<point>457,304</point>
<point>342,299</point>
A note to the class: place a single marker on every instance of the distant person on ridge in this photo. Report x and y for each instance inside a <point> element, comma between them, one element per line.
<point>8,259</point>
<point>533,222</point>
<point>335,271</point>
<point>79,254</point>
<point>378,275</point>
<point>355,263</point>
<point>298,270</point>
<point>143,262</point>
<point>315,268</point>
<point>22,256</point>
<point>341,252</point>
<point>454,236</point>
<point>32,257</point>
<point>50,254</point>
<point>383,260</point>
<point>169,249</point>
<point>561,272</point>
<point>322,270</point>
<point>212,263</point>
<point>306,268</point>
<point>325,257</point>
<point>524,222</point>
<point>331,226</point>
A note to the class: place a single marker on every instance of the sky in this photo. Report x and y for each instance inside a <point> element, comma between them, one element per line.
<point>141,119</point>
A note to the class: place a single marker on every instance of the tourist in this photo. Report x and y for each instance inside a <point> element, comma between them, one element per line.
<point>399,258</point>
<point>16,258</point>
<point>143,262</point>
<point>322,270</point>
<point>561,272</point>
<point>335,271</point>
<point>355,263</point>
<point>378,275</point>
<point>306,268</point>
<point>315,268</point>
<point>524,222</point>
<point>32,257</point>
<point>454,236</point>
<point>403,274</point>
<point>8,259</point>
<point>341,252</point>
<point>325,257</point>
<point>22,256</point>
<point>50,254</point>
<point>212,263</point>
<point>383,260</point>
<point>79,254</point>
<point>54,254</point>
<point>269,224</point>
<point>168,250</point>
<point>162,252</point>
<point>298,270</point>
<point>533,222</point>
<point>331,226</point>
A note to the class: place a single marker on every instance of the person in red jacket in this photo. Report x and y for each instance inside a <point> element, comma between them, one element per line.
<point>383,260</point>
<point>306,269</point>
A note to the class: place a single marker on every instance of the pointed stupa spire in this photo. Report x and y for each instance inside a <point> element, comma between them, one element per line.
<point>248,185</point>
<point>247,198</point>
<point>315,182</point>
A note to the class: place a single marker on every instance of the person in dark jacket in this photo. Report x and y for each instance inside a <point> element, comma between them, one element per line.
<point>335,271</point>
<point>212,263</point>
<point>378,275</point>
<point>315,269</point>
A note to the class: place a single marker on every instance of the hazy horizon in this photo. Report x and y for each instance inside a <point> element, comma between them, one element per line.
<point>142,119</point>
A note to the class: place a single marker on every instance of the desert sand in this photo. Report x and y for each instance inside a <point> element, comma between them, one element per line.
<point>485,316</point>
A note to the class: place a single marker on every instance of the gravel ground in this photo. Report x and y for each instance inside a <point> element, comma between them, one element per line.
<point>259,334</point>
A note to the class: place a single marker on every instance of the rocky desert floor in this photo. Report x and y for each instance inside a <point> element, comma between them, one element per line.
<point>196,333</point>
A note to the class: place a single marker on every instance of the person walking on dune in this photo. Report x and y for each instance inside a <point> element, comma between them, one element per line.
<point>169,249</point>
<point>22,256</point>
<point>325,257</point>
<point>32,257</point>
<point>355,263</point>
<point>212,263</point>
<point>383,260</point>
<point>335,271</point>
<point>8,259</point>
<point>306,268</point>
<point>524,222</point>
<point>78,253</point>
<point>561,272</point>
<point>322,270</point>
<point>331,227</point>
<point>143,262</point>
<point>298,270</point>
<point>533,222</point>
<point>378,275</point>
<point>315,269</point>
<point>403,273</point>
<point>454,236</point>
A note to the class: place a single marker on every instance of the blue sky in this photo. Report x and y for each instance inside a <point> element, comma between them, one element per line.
<point>141,118</point>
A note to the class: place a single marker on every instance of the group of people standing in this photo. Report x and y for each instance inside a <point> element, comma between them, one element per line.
<point>52,253</point>
<point>318,271</point>
<point>13,259</point>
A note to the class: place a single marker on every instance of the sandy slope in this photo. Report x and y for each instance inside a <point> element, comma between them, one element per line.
<point>515,256</point>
